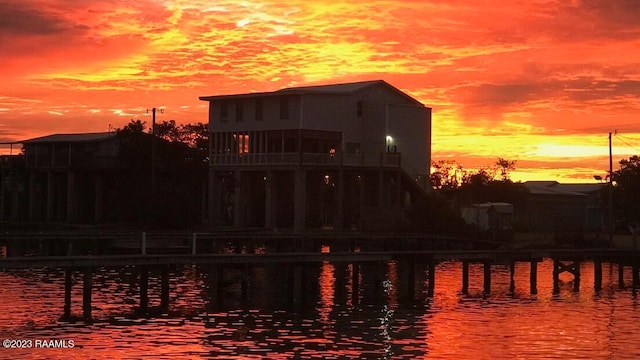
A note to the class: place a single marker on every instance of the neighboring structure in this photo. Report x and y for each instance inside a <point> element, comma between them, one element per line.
<point>12,189</point>
<point>557,208</point>
<point>67,176</point>
<point>316,156</point>
<point>489,216</point>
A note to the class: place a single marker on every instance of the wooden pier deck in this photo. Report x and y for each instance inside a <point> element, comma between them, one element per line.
<point>219,252</point>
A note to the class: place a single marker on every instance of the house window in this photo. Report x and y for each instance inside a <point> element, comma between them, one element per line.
<point>359,108</point>
<point>259,109</point>
<point>239,110</point>
<point>242,142</point>
<point>224,110</point>
<point>284,107</point>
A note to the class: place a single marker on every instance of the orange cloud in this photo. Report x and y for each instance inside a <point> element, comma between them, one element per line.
<point>540,82</point>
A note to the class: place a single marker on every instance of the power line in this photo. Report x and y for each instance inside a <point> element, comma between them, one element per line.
<point>626,143</point>
<point>628,137</point>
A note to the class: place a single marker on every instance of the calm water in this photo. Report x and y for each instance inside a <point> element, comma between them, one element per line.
<point>384,322</point>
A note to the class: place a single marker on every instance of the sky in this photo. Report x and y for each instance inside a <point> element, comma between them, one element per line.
<point>541,82</point>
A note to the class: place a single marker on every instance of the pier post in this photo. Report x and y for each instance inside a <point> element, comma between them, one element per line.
<point>432,278</point>
<point>219,275</point>
<point>512,282</point>
<point>487,277</point>
<point>465,277</point>
<point>556,276</point>
<point>533,277</point>
<point>597,273</point>
<point>244,281</point>
<point>621,275</point>
<point>67,293</point>
<point>194,242</point>
<point>294,285</point>
<point>575,270</point>
<point>636,276</point>
<point>411,281</point>
<point>144,286</point>
<point>164,292</point>
<point>143,243</point>
<point>355,283</point>
<point>86,294</point>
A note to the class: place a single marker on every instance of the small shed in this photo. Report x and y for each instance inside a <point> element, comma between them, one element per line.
<point>489,216</point>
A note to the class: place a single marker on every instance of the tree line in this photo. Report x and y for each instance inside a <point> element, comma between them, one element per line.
<point>173,193</point>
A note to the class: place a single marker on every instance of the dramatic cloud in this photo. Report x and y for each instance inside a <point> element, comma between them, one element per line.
<point>535,81</point>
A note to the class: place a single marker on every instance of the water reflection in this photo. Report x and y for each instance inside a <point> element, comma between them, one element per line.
<point>317,311</point>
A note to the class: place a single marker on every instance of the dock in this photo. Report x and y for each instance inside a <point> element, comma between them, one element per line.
<point>219,252</point>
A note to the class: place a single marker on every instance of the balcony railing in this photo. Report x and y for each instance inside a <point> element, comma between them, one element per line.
<point>388,160</point>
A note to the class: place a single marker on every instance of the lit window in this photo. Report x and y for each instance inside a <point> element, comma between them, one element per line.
<point>242,141</point>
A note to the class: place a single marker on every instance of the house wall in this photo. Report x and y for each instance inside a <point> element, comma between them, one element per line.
<point>270,114</point>
<point>384,112</point>
<point>410,129</point>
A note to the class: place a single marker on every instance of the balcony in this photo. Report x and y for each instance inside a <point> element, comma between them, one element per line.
<point>295,158</point>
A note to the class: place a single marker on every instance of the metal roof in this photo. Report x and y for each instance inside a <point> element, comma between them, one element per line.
<point>81,137</point>
<point>555,188</point>
<point>344,88</point>
<point>339,89</point>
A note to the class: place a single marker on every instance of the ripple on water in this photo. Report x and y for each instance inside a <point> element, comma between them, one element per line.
<point>569,324</point>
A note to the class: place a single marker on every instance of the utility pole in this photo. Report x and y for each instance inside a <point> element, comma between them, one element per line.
<point>153,164</point>
<point>610,193</point>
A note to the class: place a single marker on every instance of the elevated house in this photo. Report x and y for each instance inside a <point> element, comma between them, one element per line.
<point>66,176</point>
<point>12,189</point>
<point>316,156</point>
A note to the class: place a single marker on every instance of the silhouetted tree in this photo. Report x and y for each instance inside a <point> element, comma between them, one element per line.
<point>433,214</point>
<point>505,166</point>
<point>447,175</point>
<point>627,190</point>
<point>178,176</point>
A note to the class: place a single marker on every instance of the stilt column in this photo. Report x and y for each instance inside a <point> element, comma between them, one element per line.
<point>300,203</point>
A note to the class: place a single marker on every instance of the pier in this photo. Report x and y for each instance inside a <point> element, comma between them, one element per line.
<point>219,253</point>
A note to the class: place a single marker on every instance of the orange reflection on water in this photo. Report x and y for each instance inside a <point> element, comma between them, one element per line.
<point>569,324</point>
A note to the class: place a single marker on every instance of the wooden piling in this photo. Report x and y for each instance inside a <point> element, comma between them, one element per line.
<point>533,277</point>
<point>244,283</point>
<point>219,275</point>
<point>597,274</point>
<point>355,283</point>
<point>164,284</point>
<point>487,277</point>
<point>465,277</point>
<point>620,274</point>
<point>294,286</point>
<point>575,270</point>
<point>556,276</point>
<point>432,279</point>
<point>143,243</point>
<point>411,280</point>
<point>67,293</point>
<point>86,294</point>
<point>512,281</point>
<point>636,276</point>
<point>144,287</point>
<point>194,243</point>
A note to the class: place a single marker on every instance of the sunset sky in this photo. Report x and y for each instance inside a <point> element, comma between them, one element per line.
<point>541,82</point>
